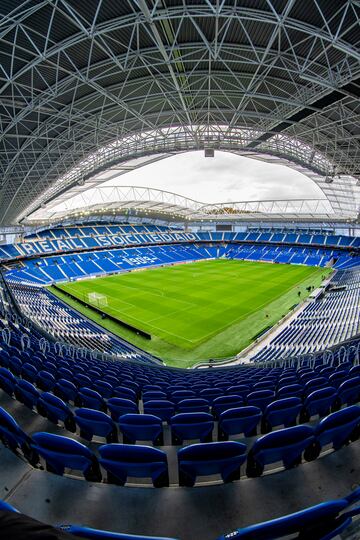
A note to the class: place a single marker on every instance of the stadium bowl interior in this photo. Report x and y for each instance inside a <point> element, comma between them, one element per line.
<point>170,368</point>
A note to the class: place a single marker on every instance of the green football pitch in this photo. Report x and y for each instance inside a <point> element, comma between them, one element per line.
<point>196,311</point>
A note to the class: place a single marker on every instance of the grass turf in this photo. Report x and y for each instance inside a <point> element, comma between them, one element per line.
<point>207,309</point>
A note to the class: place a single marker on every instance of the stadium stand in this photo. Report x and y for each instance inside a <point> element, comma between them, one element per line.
<point>328,320</point>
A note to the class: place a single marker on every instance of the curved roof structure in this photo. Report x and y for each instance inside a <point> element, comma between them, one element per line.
<point>268,77</point>
<point>158,204</point>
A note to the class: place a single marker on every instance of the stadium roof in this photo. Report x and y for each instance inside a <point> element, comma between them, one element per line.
<point>87,84</point>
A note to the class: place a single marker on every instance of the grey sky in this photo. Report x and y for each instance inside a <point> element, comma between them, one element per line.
<point>224,178</point>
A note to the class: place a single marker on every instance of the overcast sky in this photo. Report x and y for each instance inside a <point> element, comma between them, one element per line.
<point>224,178</point>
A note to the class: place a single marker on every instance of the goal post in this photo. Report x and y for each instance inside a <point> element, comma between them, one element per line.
<point>97,299</point>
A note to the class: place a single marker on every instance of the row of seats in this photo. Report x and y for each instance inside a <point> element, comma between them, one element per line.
<point>122,460</point>
<point>192,420</point>
<point>138,374</point>
<point>260,406</point>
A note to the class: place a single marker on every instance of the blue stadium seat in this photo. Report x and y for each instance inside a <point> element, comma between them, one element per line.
<point>349,391</point>
<point>162,408</point>
<point>119,406</point>
<point>354,371</point>
<point>315,384</point>
<point>13,437</point>
<point>286,381</point>
<point>45,381</point>
<point>65,390</point>
<point>29,372</point>
<point>97,423</point>
<point>147,387</point>
<point>286,445</point>
<point>281,412</point>
<point>320,522</point>
<point>55,409</point>
<point>7,381</point>
<point>26,393</point>
<point>91,399</point>
<point>125,393</point>
<point>261,398</point>
<point>190,426</point>
<point>179,395</point>
<point>154,395</point>
<point>264,385</point>
<point>205,459</point>
<point>104,388</point>
<point>210,394</point>
<point>239,420</point>
<point>319,403</point>
<point>4,358</point>
<point>291,390</point>
<point>65,373</point>
<point>339,428</point>
<point>193,405</point>
<point>141,427</point>
<point>6,507</point>
<point>121,461</point>
<point>15,365</point>
<point>62,453</point>
<point>223,403</point>
<point>335,379</point>
<point>82,381</point>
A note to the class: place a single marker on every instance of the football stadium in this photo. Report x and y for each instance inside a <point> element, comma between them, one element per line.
<point>180,269</point>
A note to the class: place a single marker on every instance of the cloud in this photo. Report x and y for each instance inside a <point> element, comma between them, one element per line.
<point>226,177</point>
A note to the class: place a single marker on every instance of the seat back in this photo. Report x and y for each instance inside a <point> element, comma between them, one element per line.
<point>320,401</point>
<point>11,433</point>
<point>141,427</point>
<point>162,408</point>
<point>62,452</point>
<point>239,420</point>
<point>339,427</point>
<point>282,412</point>
<point>349,391</point>
<point>224,403</point>
<point>193,405</point>
<point>261,398</point>
<point>121,461</point>
<point>98,423</point>
<point>89,398</point>
<point>193,425</point>
<point>285,445</point>
<point>26,393</point>
<point>224,458</point>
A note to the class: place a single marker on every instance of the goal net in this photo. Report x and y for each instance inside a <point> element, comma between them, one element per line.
<point>97,299</point>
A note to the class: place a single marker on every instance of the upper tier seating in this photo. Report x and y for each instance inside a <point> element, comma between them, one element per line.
<point>276,247</point>
<point>97,229</point>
